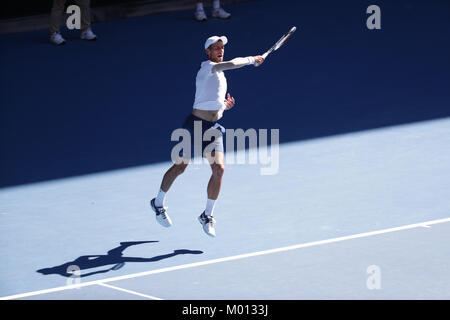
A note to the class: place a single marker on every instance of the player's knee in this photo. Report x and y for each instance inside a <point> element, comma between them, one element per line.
<point>218,170</point>
<point>179,169</point>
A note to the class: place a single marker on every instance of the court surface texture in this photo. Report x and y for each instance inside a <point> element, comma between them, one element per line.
<point>358,206</point>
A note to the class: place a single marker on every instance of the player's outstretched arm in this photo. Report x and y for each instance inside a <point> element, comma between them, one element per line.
<point>238,63</point>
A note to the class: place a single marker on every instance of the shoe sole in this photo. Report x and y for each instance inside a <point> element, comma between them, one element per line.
<point>229,17</point>
<point>58,44</point>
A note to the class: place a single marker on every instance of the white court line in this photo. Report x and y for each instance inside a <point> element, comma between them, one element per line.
<point>240,256</point>
<point>128,291</point>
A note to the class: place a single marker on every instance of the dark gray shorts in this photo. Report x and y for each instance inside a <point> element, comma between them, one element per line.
<point>201,142</point>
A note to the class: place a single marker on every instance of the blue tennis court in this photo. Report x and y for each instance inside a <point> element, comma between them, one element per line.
<point>357,205</point>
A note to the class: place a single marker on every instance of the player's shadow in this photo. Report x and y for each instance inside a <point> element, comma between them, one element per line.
<point>113,257</point>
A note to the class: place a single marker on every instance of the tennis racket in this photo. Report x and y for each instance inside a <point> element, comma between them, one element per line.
<point>279,43</point>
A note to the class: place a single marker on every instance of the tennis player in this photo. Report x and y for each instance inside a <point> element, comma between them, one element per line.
<point>209,105</point>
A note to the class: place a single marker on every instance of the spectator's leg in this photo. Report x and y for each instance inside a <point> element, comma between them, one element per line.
<point>86,31</point>
<point>56,14</point>
<point>85,14</point>
<point>218,11</point>
<point>199,13</point>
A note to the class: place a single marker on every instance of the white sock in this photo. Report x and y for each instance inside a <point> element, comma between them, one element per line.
<point>199,6</point>
<point>210,207</point>
<point>160,198</point>
<point>216,4</point>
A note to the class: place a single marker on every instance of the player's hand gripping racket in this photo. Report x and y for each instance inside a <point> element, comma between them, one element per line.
<point>278,44</point>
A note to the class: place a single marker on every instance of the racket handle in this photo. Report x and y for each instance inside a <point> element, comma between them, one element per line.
<point>264,55</point>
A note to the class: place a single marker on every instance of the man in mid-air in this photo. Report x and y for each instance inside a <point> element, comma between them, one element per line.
<point>209,105</point>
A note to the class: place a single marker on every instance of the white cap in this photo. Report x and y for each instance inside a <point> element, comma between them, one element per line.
<point>214,39</point>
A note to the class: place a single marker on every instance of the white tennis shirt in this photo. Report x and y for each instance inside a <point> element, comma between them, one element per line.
<point>211,88</point>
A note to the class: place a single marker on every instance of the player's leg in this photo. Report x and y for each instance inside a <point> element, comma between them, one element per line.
<point>180,160</point>
<point>169,177</point>
<point>216,160</point>
<point>158,203</point>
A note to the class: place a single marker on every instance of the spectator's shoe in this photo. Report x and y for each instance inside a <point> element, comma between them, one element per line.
<point>200,15</point>
<point>208,224</point>
<point>220,13</point>
<point>57,38</point>
<point>88,35</point>
<point>161,215</point>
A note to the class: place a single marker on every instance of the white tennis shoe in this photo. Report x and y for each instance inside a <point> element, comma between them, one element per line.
<point>220,13</point>
<point>88,35</point>
<point>161,214</point>
<point>200,15</point>
<point>57,38</point>
<point>208,223</point>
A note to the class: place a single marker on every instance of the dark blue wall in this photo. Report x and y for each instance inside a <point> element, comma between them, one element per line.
<point>88,107</point>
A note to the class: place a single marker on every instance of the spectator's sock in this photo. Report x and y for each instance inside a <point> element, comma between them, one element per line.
<point>216,4</point>
<point>199,6</point>
<point>160,198</point>
<point>210,207</point>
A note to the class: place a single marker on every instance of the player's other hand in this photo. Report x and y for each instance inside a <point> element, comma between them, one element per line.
<point>258,60</point>
<point>229,102</point>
